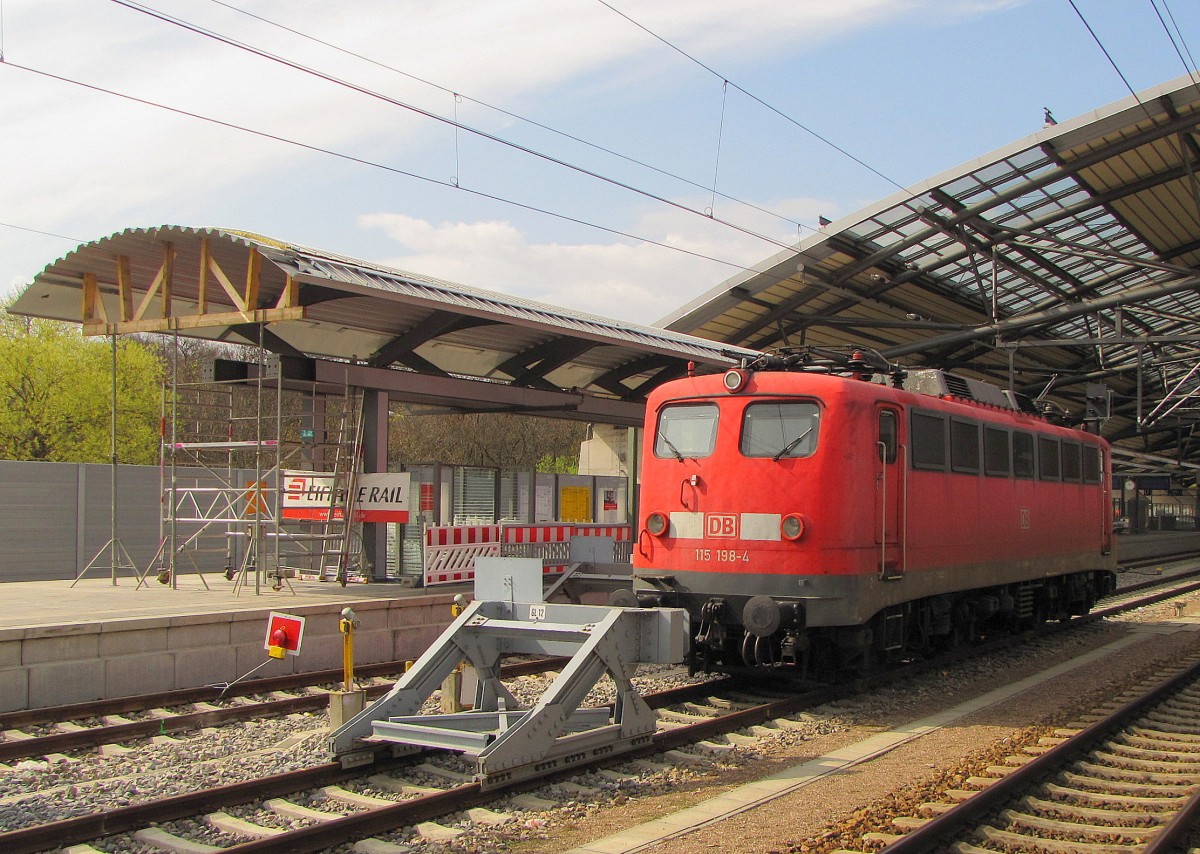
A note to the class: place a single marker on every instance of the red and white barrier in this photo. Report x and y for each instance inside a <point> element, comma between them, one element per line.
<point>450,550</point>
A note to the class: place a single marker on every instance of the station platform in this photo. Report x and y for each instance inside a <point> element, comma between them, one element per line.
<point>1156,544</point>
<point>64,644</point>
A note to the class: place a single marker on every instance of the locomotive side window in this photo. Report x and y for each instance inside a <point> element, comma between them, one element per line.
<point>1049,462</point>
<point>1023,454</point>
<point>995,452</point>
<point>1071,463</point>
<point>928,438</point>
<point>686,431</point>
<point>779,430</point>
<point>889,430</point>
<point>1091,464</point>
<point>964,445</point>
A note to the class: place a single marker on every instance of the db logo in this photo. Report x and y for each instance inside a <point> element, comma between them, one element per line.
<point>721,525</point>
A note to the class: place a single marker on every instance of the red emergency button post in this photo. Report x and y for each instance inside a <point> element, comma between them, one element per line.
<point>284,634</point>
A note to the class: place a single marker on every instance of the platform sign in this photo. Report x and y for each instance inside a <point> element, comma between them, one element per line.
<point>284,630</point>
<point>378,496</point>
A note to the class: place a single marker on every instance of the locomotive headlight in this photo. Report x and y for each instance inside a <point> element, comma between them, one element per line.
<point>656,524</point>
<point>792,526</point>
<point>735,380</point>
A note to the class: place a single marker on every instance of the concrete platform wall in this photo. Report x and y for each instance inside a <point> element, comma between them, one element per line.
<point>50,665</point>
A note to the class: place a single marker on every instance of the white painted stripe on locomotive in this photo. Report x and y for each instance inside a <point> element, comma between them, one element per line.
<point>687,526</point>
<point>751,526</point>
<point>760,526</point>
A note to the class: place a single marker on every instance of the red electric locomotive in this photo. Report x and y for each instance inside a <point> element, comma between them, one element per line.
<point>822,511</point>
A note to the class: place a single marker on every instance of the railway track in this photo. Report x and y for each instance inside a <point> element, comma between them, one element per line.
<point>1125,779</point>
<point>81,726</point>
<point>391,793</point>
<point>317,807</point>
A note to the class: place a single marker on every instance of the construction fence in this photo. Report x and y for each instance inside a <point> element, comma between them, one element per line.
<point>55,518</point>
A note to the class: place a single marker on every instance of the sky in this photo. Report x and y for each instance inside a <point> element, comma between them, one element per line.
<point>619,157</point>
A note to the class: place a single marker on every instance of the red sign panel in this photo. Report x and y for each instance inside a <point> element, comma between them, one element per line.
<point>284,630</point>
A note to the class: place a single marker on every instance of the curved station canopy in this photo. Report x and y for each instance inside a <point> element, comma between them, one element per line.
<point>1064,266</point>
<point>421,340</point>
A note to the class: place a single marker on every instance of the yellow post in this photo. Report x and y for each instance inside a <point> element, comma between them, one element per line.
<point>347,628</point>
<point>348,702</point>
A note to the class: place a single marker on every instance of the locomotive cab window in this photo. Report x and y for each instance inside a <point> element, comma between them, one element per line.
<point>1023,455</point>
<point>1049,459</point>
<point>1071,463</point>
<point>964,445</point>
<point>888,436</point>
<point>928,438</point>
<point>686,431</point>
<point>1092,464</point>
<point>780,430</point>
<point>995,452</point>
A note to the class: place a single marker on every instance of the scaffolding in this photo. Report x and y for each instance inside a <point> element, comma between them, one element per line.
<point>231,441</point>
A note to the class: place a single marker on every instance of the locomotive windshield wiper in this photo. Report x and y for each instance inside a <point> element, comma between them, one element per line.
<point>790,445</point>
<point>671,446</point>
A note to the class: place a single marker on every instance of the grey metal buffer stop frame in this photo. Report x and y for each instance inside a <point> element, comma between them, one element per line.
<point>508,741</point>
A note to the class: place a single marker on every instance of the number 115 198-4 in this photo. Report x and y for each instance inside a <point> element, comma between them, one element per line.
<point>722,555</point>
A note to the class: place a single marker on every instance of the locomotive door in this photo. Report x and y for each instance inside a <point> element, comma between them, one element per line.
<point>889,493</point>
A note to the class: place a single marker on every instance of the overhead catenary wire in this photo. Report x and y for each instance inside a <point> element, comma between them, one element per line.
<point>38,230</point>
<point>459,96</point>
<point>491,137</point>
<point>364,162</point>
<point>717,157</point>
<point>1189,64</point>
<point>726,81</point>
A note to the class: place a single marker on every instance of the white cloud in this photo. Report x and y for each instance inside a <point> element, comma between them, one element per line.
<point>639,282</point>
<point>80,162</point>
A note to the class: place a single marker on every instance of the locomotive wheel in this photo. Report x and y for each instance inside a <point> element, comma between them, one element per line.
<point>960,628</point>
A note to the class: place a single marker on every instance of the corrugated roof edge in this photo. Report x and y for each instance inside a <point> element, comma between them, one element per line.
<point>297,256</point>
<point>1066,134</point>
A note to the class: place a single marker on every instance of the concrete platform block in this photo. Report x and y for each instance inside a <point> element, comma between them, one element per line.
<point>10,653</point>
<point>411,643</point>
<point>207,666</point>
<point>139,674</point>
<point>75,646</point>
<point>323,653</point>
<point>249,626</point>
<point>77,626</point>
<point>370,646</point>
<point>52,684</point>
<point>322,625</point>
<point>198,634</point>
<point>132,641</point>
<point>14,689</point>
<point>372,619</point>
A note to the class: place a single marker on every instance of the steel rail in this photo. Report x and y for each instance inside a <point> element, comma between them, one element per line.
<point>123,819</point>
<point>60,742</point>
<point>374,821</point>
<point>87,827</point>
<point>946,828</point>
<point>183,696</point>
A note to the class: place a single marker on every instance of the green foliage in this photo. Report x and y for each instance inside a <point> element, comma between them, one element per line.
<point>56,393</point>
<point>559,464</point>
